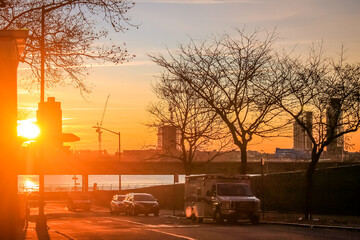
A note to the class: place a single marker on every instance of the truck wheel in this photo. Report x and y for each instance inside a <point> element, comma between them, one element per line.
<point>255,219</point>
<point>133,212</point>
<point>218,217</point>
<point>232,220</point>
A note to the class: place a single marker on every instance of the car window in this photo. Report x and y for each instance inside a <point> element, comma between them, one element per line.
<point>144,198</point>
<point>120,198</point>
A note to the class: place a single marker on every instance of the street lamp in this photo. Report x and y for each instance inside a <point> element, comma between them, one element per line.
<point>117,133</point>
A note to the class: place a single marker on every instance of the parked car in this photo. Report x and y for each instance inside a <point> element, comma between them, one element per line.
<point>79,200</point>
<point>117,204</point>
<point>141,203</point>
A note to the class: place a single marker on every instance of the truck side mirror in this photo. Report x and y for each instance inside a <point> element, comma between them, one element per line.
<point>208,193</point>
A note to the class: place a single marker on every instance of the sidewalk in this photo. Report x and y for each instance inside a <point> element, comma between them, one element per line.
<point>330,221</point>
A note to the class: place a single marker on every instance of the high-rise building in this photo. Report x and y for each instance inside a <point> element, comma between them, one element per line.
<point>301,139</point>
<point>333,118</point>
<point>168,138</point>
<point>49,118</point>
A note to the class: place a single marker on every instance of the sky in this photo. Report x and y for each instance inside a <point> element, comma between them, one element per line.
<point>165,23</point>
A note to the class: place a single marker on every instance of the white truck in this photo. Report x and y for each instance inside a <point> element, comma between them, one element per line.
<point>220,196</point>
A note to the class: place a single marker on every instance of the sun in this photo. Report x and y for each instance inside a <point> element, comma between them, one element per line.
<point>30,186</point>
<point>27,129</point>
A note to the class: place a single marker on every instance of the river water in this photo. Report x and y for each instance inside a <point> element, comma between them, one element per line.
<point>103,182</point>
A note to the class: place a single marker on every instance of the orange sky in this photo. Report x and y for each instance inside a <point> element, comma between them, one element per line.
<point>299,23</point>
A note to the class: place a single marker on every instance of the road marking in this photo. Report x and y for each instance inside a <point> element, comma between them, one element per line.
<point>172,234</point>
<point>154,230</point>
<point>106,221</point>
<point>123,220</point>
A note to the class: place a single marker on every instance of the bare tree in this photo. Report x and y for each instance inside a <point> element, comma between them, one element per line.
<point>224,73</point>
<point>198,129</point>
<point>330,91</point>
<point>72,33</point>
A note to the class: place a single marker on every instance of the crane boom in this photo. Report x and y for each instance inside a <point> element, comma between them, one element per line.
<point>102,119</point>
<point>98,126</point>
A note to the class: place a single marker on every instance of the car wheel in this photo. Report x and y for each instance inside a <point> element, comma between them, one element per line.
<point>255,219</point>
<point>199,219</point>
<point>218,217</point>
<point>156,214</point>
<point>111,211</point>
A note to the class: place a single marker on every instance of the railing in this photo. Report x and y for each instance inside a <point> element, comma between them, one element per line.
<point>71,187</point>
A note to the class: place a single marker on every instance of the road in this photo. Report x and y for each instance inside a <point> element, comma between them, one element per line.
<point>99,224</point>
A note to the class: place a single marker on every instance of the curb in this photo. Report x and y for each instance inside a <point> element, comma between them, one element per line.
<point>293,224</point>
<point>312,225</point>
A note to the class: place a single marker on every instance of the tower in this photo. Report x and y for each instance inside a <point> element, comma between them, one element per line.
<point>301,139</point>
<point>333,118</point>
<point>49,118</point>
<point>167,138</point>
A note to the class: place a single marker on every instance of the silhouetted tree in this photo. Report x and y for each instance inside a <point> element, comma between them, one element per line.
<point>73,29</point>
<point>223,72</point>
<point>198,129</point>
<point>330,91</point>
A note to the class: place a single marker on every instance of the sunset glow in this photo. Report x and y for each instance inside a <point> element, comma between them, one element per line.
<point>28,129</point>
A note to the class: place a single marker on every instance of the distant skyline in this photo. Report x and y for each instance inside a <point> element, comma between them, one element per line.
<point>164,23</point>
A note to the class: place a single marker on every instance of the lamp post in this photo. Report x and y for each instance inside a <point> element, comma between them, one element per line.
<point>117,133</point>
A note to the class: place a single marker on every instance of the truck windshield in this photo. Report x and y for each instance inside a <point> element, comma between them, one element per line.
<point>233,189</point>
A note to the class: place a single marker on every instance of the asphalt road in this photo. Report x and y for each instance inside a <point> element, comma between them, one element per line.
<point>99,224</point>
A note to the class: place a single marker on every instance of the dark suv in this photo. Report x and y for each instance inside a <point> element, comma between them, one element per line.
<point>140,203</point>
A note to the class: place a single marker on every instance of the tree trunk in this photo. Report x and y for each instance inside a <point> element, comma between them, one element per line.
<point>309,185</point>
<point>187,168</point>
<point>243,149</point>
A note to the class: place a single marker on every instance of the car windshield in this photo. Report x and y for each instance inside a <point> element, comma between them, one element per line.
<point>233,189</point>
<point>79,196</point>
<point>144,198</point>
<point>120,198</point>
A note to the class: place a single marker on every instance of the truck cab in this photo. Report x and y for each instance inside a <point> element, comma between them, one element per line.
<point>221,197</point>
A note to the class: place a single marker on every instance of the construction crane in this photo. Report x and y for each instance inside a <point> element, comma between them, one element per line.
<point>99,126</point>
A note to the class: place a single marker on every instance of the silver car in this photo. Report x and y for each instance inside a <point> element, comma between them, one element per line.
<point>117,204</point>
